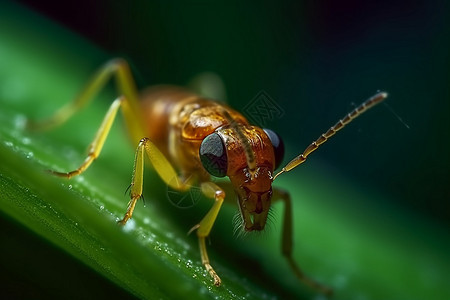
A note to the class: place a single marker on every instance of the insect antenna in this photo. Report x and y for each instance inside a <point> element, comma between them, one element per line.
<point>249,155</point>
<point>338,126</point>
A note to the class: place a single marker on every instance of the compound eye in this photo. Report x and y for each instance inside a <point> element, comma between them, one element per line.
<point>278,146</point>
<point>213,155</point>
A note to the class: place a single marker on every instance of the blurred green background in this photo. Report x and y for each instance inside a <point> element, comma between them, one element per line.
<point>316,60</point>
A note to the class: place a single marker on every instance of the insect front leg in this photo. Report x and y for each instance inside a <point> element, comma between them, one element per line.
<point>286,242</point>
<point>210,190</point>
<point>161,165</point>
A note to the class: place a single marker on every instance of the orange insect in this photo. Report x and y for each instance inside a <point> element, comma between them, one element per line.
<point>187,139</point>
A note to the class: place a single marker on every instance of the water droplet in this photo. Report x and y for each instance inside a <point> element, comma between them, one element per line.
<point>79,178</point>
<point>70,186</point>
<point>102,207</point>
<point>26,141</point>
<point>129,226</point>
<point>189,264</point>
<point>20,121</point>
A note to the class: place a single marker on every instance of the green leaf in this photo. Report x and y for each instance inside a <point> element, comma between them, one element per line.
<point>151,256</point>
<point>362,250</point>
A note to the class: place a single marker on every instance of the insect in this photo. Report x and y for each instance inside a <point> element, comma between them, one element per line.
<point>188,139</point>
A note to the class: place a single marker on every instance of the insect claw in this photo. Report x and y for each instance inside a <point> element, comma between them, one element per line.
<point>123,221</point>
<point>51,172</point>
<point>59,174</point>
<point>217,280</point>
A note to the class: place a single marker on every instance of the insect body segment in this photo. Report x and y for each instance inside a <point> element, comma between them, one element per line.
<point>187,139</point>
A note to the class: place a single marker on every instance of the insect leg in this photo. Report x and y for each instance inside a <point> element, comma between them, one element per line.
<point>99,140</point>
<point>162,166</point>
<point>210,190</point>
<point>286,243</point>
<point>120,70</point>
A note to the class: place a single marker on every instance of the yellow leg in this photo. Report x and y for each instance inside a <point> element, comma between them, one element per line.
<point>128,102</point>
<point>210,190</point>
<point>126,87</point>
<point>162,167</point>
<point>98,142</point>
<point>286,244</point>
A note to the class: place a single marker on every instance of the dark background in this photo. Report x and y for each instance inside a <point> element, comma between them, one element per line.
<point>316,60</point>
